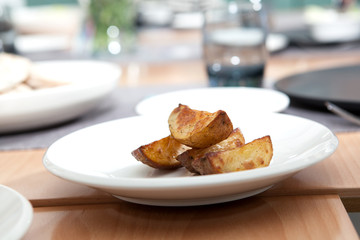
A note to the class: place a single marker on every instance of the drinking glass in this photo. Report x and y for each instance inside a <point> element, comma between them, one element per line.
<point>234,49</point>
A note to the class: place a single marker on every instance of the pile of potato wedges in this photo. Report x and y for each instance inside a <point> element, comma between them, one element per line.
<point>204,143</point>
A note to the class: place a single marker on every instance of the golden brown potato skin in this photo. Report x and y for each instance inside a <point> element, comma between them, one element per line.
<point>160,154</point>
<point>199,129</point>
<point>255,154</point>
<point>235,139</point>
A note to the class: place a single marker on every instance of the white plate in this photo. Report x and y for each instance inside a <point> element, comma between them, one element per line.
<point>47,18</point>
<point>32,43</point>
<point>16,214</point>
<point>100,157</point>
<point>89,82</point>
<point>230,99</point>
<point>276,42</point>
<point>331,25</point>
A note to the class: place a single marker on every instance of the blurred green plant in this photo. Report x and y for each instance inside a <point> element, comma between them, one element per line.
<point>106,13</point>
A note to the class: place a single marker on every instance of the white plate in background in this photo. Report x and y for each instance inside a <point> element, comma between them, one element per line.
<point>47,19</point>
<point>16,214</point>
<point>328,25</point>
<point>89,83</point>
<point>100,157</point>
<point>276,42</point>
<point>32,43</point>
<point>230,99</point>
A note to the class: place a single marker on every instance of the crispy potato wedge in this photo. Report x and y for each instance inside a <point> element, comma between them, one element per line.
<point>235,139</point>
<point>199,129</point>
<point>255,154</point>
<point>160,154</point>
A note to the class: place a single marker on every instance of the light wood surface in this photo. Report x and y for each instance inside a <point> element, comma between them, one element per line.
<point>308,205</point>
<point>297,217</point>
<point>193,71</point>
<point>337,174</point>
<point>164,73</point>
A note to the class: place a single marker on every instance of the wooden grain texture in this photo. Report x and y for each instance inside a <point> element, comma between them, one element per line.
<point>24,171</point>
<point>190,72</point>
<point>351,204</point>
<point>315,217</point>
<point>338,174</point>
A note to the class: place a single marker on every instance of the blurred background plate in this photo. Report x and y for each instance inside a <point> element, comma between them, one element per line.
<point>338,85</point>
<point>230,99</point>
<point>88,83</point>
<point>42,43</point>
<point>16,214</point>
<point>276,42</point>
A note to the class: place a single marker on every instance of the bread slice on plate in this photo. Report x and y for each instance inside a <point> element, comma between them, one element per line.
<point>14,70</point>
<point>39,79</point>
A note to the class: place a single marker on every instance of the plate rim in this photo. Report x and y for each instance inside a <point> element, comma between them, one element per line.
<point>66,87</point>
<point>22,226</point>
<point>85,93</point>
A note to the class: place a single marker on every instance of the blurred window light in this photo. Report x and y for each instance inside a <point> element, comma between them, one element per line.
<point>235,60</point>
<point>233,8</point>
<point>257,7</point>
<point>216,67</point>
<point>113,31</point>
<point>114,47</point>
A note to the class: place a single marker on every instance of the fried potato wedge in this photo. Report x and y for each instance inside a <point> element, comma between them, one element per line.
<point>160,154</point>
<point>235,139</point>
<point>199,129</point>
<point>255,154</point>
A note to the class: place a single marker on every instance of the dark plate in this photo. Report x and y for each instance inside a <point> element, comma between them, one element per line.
<point>301,36</point>
<point>340,86</point>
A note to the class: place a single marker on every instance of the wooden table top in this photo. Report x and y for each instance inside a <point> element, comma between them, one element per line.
<point>290,217</point>
<point>312,204</point>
